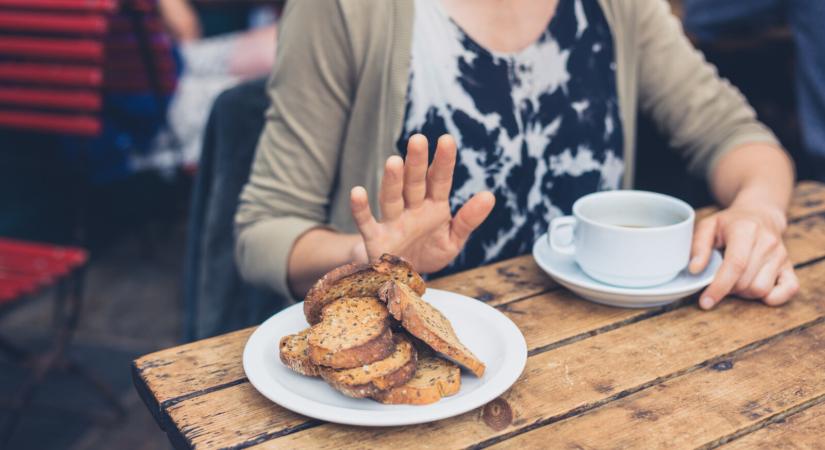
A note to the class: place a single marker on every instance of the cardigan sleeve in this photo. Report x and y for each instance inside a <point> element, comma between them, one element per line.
<point>704,115</point>
<point>296,161</point>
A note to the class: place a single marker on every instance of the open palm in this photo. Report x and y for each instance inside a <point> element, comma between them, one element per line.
<point>416,222</point>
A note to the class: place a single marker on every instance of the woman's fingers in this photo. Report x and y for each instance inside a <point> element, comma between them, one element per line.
<point>470,216</point>
<point>761,284</point>
<point>440,175</point>
<point>415,171</point>
<point>391,197</point>
<point>787,285</point>
<point>360,206</point>
<point>704,237</point>
<point>739,242</point>
<point>766,248</point>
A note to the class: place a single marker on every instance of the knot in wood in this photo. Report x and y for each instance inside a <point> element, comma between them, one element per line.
<point>497,414</point>
<point>722,366</point>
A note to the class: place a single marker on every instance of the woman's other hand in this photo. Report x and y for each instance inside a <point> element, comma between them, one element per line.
<point>756,263</point>
<point>416,222</point>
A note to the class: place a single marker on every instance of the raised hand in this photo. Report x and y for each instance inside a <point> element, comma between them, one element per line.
<point>416,222</point>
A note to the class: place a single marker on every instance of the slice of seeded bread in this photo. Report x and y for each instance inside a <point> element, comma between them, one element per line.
<point>352,332</point>
<point>371,379</point>
<point>434,379</point>
<point>293,352</point>
<point>425,322</point>
<point>358,280</point>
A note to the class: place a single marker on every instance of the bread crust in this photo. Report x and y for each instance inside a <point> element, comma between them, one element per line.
<point>316,298</point>
<point>338,379</point>
<point>434,379</point>
<point>293,353</point>
<point>330,287</point>
<point>402,270</point>
<point>405,308</point>
<point>374,350</point>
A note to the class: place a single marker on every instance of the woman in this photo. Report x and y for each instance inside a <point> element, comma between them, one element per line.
<point>540,96</point>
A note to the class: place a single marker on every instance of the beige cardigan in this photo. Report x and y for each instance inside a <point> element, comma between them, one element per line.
<point>338,93</point>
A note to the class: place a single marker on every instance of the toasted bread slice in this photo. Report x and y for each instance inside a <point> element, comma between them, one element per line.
<point>425,322</point>
<point>293,352</point>
<point>352,332</point>
<point>370,379</point>
<point>359,280</point>
<point>434,379</point>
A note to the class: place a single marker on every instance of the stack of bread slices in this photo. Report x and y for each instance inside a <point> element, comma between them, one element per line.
<point>371,335</point>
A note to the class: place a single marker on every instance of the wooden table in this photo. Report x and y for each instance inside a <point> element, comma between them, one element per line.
<point>596,377</point>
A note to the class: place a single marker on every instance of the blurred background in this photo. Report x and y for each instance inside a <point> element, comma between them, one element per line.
<point>127,128</point>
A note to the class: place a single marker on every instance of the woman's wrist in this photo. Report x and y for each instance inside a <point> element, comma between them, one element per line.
<point>358,250</point>
<point>315,253</point>
<point>766,204</point>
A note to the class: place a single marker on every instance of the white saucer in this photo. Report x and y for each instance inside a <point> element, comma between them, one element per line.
<point>491,335</point>
<point>564,270</point>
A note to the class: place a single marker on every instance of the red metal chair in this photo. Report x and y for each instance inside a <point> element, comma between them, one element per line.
<point>27,268</point>
<point>58,58</point>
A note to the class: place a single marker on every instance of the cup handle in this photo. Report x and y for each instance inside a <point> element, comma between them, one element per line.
<point>559,222</point>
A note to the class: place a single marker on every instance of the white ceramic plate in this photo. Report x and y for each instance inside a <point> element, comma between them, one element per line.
<point>566,272</point>
<point>483,329</point>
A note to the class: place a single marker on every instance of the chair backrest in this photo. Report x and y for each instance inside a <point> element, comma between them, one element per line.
<point>59,57</point>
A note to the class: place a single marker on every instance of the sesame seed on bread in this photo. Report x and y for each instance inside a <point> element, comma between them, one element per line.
<point>293,353</point>
<point>358,280</point>
<point>352,332</point>
<point>424,321</point>
<point>371,379</point>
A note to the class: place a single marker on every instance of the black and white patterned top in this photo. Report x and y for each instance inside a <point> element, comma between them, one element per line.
<point>539,128</point>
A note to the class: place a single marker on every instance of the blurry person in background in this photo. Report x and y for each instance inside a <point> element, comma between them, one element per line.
<point>210,65</point>
<point>450,132</point>
<point>709,20</point>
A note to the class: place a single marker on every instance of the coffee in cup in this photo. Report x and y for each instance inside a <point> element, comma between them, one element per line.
<point>627,238</point>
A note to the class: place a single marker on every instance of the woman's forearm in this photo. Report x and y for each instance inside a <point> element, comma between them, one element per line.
<point>315,253</point>
<point>758,175</point>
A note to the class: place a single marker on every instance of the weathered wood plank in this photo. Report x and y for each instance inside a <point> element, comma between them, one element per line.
<point>537,316</point>
<point>196,367</point>
<point>803,430</point>
<point>703,406</point>
<point>546,321</point>
<point>169,373</point>
<point>235,415</point>
<point>805,239</point>
<point>808,198</point>
<point>214,364</point>
<point>500,282</point>
<point>591,372</point>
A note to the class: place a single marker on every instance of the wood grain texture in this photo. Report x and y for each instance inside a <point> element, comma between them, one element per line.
<point>700,407</point>
<point>808,198</point>
<point>500,282</point>
<point>547,320</point>
<point>804,430</point>
<point>168,373</point>
<point>192,368</point>
<point>234,416</point>
<point>583,356</point>
<point>202,422</point>
<point>591,372</point>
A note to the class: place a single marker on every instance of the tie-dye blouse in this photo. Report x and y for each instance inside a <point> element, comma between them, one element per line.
<point>539,128</point>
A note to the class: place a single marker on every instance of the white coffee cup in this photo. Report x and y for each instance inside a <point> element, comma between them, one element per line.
<point>627,238</point>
